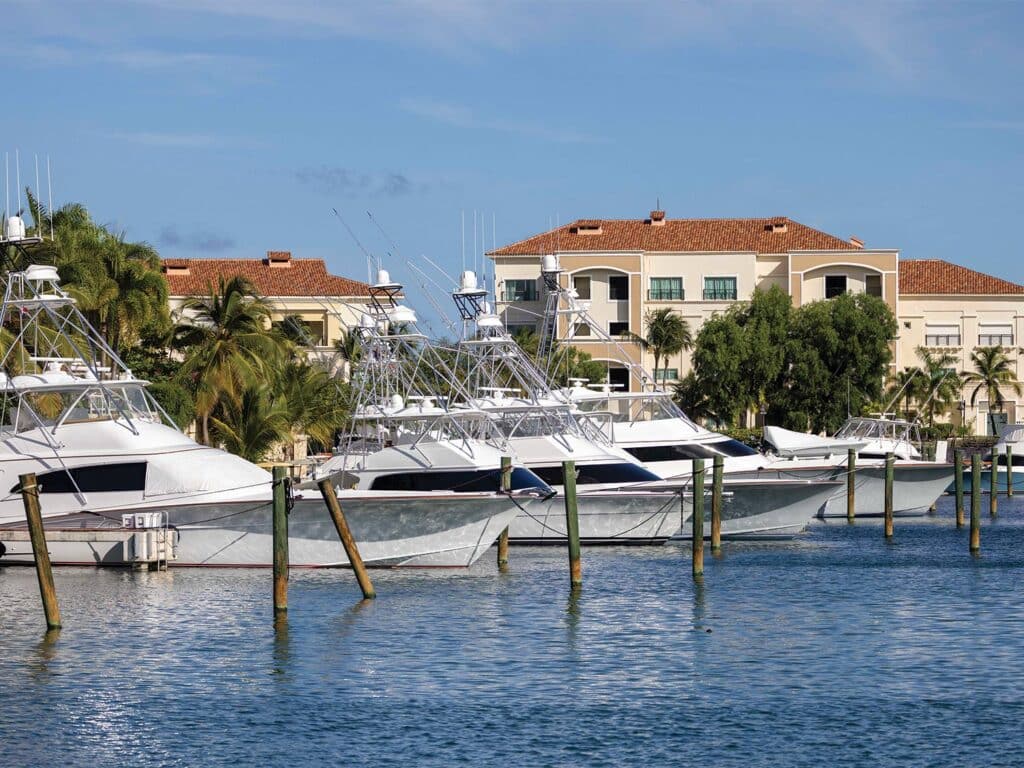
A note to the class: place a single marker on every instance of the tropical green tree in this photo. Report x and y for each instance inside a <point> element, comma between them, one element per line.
<point>905,388</point>
<point>667,334</point>
<point>718,365</point>
<point>837,355</point>
<point>941,383</point>
<point>228,347</point>
<point>250,426</point>
<point>993,370</point>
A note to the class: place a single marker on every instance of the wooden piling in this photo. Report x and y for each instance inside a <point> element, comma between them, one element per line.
<point>347,540</point>
<point>890,472</point>
<point>506,486</point>
<point>975,545</point>
<point>1009,472</point>
<point>44,572</point>
<point>572,523</point>
<point>697,519</point>
<point>280,527</point>
<point>993,488</point>
<point>958,485</point>
<point>851,484</point>
<point>718,468</point>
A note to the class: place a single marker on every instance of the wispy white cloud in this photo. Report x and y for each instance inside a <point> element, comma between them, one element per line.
<point>461,116</point>
<point>201,240</point>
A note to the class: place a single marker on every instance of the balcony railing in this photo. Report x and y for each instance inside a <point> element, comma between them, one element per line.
<point>719,294</point>
<point>995,340</point>
<point>665,294</point>
<point>942,340</point>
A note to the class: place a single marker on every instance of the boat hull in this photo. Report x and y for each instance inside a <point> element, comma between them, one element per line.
<point>765,509</point>
<point>449,531</point>
<point>986,480</point>
<point>605,517</point>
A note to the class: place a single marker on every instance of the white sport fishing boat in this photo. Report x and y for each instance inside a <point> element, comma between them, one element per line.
<point>108,460</point>
<point>651,427</point>
<point>620,498</point>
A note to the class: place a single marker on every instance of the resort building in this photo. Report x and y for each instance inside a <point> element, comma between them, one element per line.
<point>702,266</point>
<point>326,304</point>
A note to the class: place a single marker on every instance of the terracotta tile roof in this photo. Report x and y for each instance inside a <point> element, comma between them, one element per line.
<point>680,235</point>
<point>303,277</point>
<point>934,276</point>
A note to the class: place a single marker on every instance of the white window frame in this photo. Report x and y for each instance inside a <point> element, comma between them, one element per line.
<point>716,276</point>
<point>824,283</point>
<point>629,288</point>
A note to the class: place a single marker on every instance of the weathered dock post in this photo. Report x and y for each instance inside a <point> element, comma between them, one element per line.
<point>47,590</point>
<point>993,490</point>
<point>280,527</point>
<point>718,468</point>
<point>347,540</point>
<point>697,519</point>
<point>1009,472</point>
<point>851,484</point>
<point>975,545</point>
<point>506,486</point>
<point>572,524</point>
<point>958,486</point>
<point>890,471</point>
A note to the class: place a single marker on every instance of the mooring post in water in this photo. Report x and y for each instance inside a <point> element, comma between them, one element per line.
<point>890,471</point>
<point>1009,472</point>
<point>958,485</point>
<point>851,484</point>
<point>347,540</point>
<point>47,590</point>
<point>697,519</point>
<point>993,491</point>
<point>718,468</point>
<point>280,539</point>
<point>506,486</point>
<point>975,544</point>
<point>572,523</point>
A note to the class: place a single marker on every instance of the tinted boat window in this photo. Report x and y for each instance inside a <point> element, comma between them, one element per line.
<point>591,474</point>
<point>98,479</point>
<point>467,481</point>
<point>686,451</point>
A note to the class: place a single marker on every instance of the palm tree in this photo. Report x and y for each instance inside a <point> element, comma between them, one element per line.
<point>992,371</point>
<point>253,424</point>
<point>315,403</point>
<point>228,344</point>
<point>906,385</point>
<point>668,334</point>
<point>941,380</point>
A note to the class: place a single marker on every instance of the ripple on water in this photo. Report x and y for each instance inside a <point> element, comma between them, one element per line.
<point>836,648</point>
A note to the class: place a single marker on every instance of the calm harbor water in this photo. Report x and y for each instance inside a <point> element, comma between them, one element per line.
<point>835,649</point>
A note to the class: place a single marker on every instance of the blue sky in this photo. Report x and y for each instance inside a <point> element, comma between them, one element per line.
<point>230,127</point>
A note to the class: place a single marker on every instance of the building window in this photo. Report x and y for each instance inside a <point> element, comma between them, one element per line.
<point>666,374</point>
<point>520,290</point>
<point>618,288</point>
<point>581,329</point>
<point>618,329</point>
<point>942,335</point>
<point>719,289</point>
<point>995,336</point>
<point>666,289</point>
<point>873,285</point>
<point>582,286</point>
<point>835,285</point>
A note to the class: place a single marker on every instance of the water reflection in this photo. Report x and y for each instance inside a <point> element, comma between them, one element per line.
<point>45,652</point>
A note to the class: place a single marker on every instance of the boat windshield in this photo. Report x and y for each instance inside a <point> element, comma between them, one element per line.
<point>627,407</point>
<point>55,408</point>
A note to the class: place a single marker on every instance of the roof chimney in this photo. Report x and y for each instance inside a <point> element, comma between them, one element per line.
<point>279,258</point>
<point>777,225</point>
<point>657,219</point>
<point>587,227</point>
<point>175,266</point>
<point>856,241</point>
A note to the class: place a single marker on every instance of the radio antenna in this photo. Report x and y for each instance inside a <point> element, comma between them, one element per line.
<point>366,253</point>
